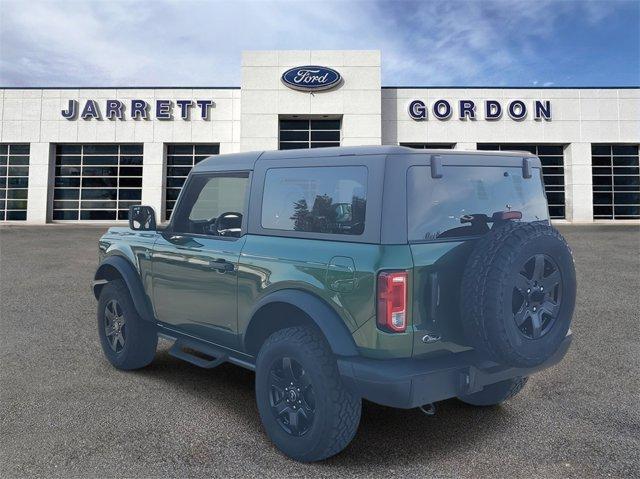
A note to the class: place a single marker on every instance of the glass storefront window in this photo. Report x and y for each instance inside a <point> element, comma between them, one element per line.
<point>14,181</point>
<point>616,182</point>
<point>430,146</point>
<point>96,182</point>
<point>296,134</point>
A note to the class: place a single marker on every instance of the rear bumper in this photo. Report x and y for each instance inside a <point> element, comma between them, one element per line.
<point>409,383</point>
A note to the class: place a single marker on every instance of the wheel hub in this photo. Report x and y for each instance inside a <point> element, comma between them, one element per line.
<point>293,397</point>
<point>536,296</point>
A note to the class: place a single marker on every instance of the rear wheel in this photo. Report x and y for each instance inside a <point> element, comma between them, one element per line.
<point>128,341</point>
<point>497,393</point>
<point>305,409</point>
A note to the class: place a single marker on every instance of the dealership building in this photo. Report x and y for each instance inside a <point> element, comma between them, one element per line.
<point>87,154</point>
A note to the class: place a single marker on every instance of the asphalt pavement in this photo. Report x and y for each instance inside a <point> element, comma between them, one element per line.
<point>65,412</point>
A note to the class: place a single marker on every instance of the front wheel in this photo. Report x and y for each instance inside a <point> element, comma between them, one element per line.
<point>128,341</point>
<point>305,408</point>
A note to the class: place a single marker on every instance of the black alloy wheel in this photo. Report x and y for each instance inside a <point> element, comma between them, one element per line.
<point>115,325</point>
<point>537,296</point>
<point>305,408</point>
<point>291,396</point>
<point>518,293</point>
<point>127,340</point>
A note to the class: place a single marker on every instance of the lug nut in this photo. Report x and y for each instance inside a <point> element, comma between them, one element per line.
<point>529,290</point>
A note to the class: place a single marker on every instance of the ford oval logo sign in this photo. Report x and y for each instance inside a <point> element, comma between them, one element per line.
<point>311,78</point>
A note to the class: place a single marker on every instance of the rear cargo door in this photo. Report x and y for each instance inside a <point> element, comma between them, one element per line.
<point>446,214</point>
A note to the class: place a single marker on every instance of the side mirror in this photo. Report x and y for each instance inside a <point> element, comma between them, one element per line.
<point>142,218</point>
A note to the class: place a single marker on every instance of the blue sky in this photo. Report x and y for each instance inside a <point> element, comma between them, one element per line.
<point>185,43</point>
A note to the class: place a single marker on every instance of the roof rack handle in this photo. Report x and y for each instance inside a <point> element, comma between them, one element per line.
<point>436,166</point>
<point>526,167</point>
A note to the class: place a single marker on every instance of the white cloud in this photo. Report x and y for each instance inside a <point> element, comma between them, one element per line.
<point>199,43</point>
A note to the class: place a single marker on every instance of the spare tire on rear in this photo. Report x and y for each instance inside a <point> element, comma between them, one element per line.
<point>518,293</point>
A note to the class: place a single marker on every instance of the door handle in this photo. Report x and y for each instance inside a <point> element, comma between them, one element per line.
<point>221,265</point>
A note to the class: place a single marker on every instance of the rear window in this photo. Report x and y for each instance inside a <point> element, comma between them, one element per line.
<point>464,202</point>
<point>329,200</point>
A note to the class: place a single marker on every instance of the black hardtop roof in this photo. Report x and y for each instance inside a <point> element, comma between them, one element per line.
<point>247,160</point>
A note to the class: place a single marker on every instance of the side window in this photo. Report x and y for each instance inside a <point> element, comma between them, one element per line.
<point>329,200</point>
<point>213,205</point>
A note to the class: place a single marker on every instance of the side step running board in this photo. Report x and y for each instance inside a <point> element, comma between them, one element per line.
<point>180,350</point>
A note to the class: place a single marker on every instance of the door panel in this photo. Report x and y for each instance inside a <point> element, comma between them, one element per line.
<point>195,285</point>
<point>195,261</point>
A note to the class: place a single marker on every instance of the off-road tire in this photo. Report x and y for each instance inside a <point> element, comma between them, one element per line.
<point>487,289</point>
<point>497,393</point>
<point>337,410</point>
<point>141,338</point>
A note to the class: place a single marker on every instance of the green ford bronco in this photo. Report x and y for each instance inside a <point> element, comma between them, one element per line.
<point>399,276</point>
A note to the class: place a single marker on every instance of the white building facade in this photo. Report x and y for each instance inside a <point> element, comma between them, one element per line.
<point>86,155</point>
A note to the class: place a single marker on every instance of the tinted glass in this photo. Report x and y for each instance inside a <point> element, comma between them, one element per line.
<point>96,174</point>
<point>616,181</point>
<point>294,124</point>
<point>292,135</point>
<point>96,182</point>
<point>100,149</point>
<point>180,149</point>
<point>14,181</point>
<point>180,161</point>
<point>462,203</point>
<point>293,146</point>
<point>207,149</point>
<point>219,195</point>
<point>130,182</point>
<point>325,135</point>
<point>315,200</point>
<point>17,215</point>
<point>325,124</point>
<point>207,199</point>
<point>552,159</point>
<point>131,149</point>
<point>429,146</point>
<point>101,160</point>
<point>298,134</point>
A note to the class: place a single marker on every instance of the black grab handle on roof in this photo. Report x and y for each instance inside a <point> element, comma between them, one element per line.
<point>436,166</point>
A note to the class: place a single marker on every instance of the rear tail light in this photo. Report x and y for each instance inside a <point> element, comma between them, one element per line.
<point>392,301</point>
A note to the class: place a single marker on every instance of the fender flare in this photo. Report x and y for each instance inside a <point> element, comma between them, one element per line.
<point>131,278</point>
<point>324,316</point>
